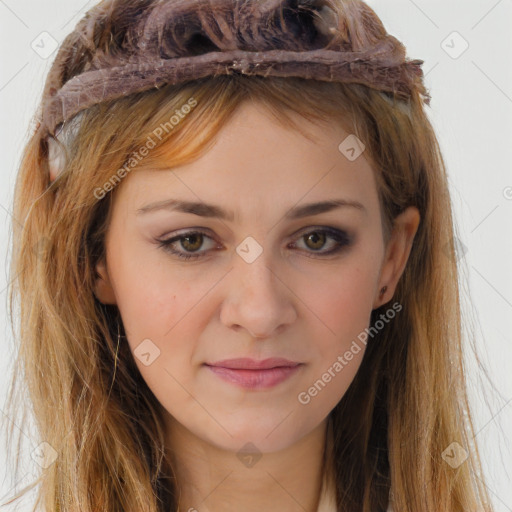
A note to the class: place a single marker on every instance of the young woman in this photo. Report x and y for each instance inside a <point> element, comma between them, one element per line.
<point>246,297</point>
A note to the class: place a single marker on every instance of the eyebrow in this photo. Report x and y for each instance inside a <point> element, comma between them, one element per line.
<point>209,210</point>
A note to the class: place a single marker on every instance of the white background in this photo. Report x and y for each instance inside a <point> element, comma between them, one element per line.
<point>471,111</point>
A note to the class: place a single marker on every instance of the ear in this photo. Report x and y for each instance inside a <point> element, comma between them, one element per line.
<point>397,253</point>
<point>103,287</point>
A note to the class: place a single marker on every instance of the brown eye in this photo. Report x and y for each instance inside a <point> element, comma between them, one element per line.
<point>192,242</point>
<point>315,240</point>
<point>323,242</point>
<point>189,244</point>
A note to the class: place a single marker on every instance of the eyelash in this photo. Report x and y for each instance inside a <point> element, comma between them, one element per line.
<point>341,238</point>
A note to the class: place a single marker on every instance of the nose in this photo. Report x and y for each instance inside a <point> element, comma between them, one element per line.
<point>258,299</point>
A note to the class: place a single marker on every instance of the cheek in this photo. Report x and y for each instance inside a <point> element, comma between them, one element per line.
<point>153,294</point>
<point>162,315</point>
<point>162,312</point>
<point>343,303</point>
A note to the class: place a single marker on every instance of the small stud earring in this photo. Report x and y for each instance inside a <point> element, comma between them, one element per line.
<point>383,290</point>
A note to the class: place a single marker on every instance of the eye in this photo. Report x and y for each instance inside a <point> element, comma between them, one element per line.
<point>316,240</point>
<point>190,241</point>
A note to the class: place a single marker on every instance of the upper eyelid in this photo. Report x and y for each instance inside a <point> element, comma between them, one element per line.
<point>183,234</point>
<point>207,232</point>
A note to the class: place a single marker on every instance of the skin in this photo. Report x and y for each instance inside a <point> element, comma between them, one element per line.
<point>289,302</point>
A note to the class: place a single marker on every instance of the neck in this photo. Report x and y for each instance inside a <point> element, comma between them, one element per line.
<point>212,479</point>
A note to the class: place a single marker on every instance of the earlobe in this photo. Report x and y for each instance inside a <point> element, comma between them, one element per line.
<point>397,254</point>
<point>103,287</point>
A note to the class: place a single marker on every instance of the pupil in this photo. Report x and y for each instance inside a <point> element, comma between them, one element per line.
<point>197,245</point>
<point>315,237</point>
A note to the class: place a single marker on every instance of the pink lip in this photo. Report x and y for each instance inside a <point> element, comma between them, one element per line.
<point>252,374</point>
<point>246,363</point>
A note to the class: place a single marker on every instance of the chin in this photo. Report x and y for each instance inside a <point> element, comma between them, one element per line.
<point>267,435</point>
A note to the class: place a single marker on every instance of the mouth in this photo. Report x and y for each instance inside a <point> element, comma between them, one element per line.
<point>253,374</point>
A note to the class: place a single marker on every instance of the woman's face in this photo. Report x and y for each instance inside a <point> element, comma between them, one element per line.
<point>268,276</point>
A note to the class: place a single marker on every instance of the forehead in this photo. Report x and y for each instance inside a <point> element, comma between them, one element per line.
<point>257,160</point>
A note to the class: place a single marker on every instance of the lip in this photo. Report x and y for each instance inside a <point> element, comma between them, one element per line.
<point>246,363</point>
<point>252,374</point>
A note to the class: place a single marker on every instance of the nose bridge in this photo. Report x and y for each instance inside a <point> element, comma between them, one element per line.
<point>254,280</point>
<point>253,261</point>
<point>256,277</point>
<point>256,298</point>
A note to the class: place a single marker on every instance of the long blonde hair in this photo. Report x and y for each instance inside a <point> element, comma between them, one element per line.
<point>408,402</point>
